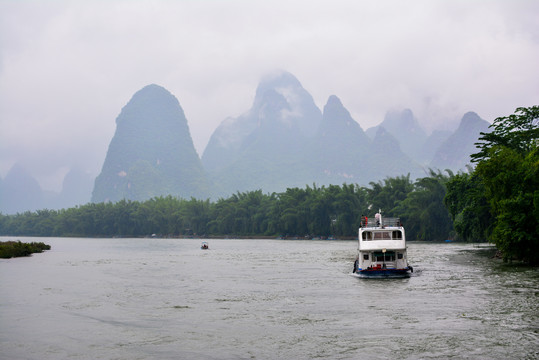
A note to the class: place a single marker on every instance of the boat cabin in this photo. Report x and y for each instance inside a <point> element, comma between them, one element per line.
<point>381,245</point>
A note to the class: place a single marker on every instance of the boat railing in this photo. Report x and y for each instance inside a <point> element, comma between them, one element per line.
<point>380,265</point>
<point>385,222</point>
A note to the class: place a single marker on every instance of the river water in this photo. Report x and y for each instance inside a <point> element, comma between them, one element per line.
<point>261,299</point>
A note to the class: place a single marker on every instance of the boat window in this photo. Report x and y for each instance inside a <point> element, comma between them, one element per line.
<point>388,256</point>
<point>365,256</point>
<point>399,255</point>
<point>382,235</point>
<point>367,235</point>
<point>397,235</point>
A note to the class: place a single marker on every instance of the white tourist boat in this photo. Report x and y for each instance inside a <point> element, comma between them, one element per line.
<point>381,248</point>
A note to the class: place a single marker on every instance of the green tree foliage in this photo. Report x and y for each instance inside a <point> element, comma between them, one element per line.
<point>310,212</point>
<point>423,213</point>
<point>468,207</point>
<point>499,200</point>
<point>519,132</point>
<point>511,180</point>
<point>9,249</point>
<point>390,193</point>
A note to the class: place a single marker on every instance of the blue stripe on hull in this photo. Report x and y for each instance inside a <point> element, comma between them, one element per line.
<point>384,272</point>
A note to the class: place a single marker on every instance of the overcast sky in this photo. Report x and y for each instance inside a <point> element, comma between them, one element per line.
<point>68,67</point>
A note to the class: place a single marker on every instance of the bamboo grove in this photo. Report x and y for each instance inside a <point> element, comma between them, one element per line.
<point>309,212</point>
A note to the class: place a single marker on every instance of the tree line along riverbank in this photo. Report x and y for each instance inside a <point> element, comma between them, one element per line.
<point>313,211</point>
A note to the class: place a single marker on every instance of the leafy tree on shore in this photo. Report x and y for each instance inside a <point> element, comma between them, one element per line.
<point>511,181</point>
<point>508,164</point>
<point>499,201</point>
<point>468,206</point>
<point>519,132</point>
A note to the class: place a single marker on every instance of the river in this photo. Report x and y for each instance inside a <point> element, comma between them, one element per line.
<point>262,299</point>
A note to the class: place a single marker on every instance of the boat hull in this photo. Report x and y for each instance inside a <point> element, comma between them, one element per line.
<point>384,273</point>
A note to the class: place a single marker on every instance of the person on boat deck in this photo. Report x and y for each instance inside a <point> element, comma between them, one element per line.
<point>362,220</point>
<point>377,217</point>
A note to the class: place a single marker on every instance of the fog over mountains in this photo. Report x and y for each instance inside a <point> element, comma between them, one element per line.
<point>20,192</point>
<point>283,140</point>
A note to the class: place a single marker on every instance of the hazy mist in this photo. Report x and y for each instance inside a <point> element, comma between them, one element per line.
<point>68,68</point>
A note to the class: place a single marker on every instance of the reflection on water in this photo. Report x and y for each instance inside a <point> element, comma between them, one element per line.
<point>263,299</point>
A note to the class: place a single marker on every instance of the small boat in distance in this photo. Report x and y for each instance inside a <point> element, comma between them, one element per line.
<point>204,246</point>
<point>381,248</point>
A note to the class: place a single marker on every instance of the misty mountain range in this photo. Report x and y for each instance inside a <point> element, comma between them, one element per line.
<point>284,140</point>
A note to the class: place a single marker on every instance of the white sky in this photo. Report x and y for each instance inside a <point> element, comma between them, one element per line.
<point>68,67</point>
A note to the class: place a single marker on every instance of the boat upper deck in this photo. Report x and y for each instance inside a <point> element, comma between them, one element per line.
<point>380,222</point>
<point>381,233</point>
